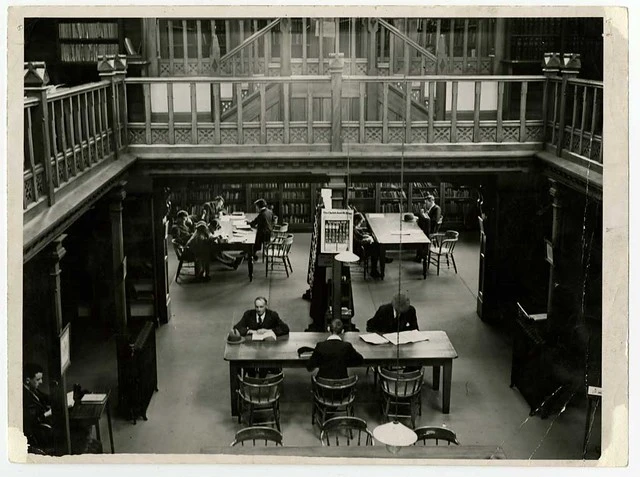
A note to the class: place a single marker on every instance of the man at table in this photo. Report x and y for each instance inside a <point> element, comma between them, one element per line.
<point>264,225</point>
<point>260,320</point>
<point>391,317</point>
<point>36,409</point>
<point>333,356</point>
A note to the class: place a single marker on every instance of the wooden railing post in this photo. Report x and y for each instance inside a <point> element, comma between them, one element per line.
<point>285,47</point>
<point>336,66</point>
<point>35,86</point>
<point>570,69</point>
<point>550,70</point>
<point>151,46</point>
<point>113,68</point>
<point>372,70</point>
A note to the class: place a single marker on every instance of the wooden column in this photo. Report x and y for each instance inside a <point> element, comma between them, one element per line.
<point>500,46</point>
<point>150,44</point>
<point>335,69</point>
<point>285,47</point>
<point>117,253</point>
<point>57,381</point>
<point>160,254</point>
<point>214,58</point>
<point>550,70</point>
<point>442,67</point>
<point>555,267</point>
<point>35,85</point>
<point>372,88</point>
<point>112,68</point>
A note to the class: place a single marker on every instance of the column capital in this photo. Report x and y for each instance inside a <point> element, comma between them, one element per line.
<point>35,74</point>
<point>56,249</point>
<point>372,24</point>
<point>556,191</point>
<point>551,64</point>
<point>571,65</point>
<point>118,194</point>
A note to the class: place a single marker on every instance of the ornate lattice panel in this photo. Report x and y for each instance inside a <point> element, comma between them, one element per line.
<point>29,195</point>
<point>136,136</point>
<point>205,136</point>
<point>373,134</point>
<point>192,69</point>
<point>313,69</point>
<point>183,136</point>
<point>69,164</point>
<point>226,105</point>
<point>298,135</point>
<point>595,150</point>
<point>430,67</point>
<point>61,173</point>
<point>251,136</point>
<point>458,67</point>
<point>396,135</point>
<point>296,68</point>
<point>40,183</point>
<point>275,136</point>
<point>350,134</point>
<point>159,136</point>
<point>465,134</point>
<point>511,134</point>
<point>178,69</point>
<point>321,135</point>
<point>487,134</point>
<point>566,141</point>
<point>361,68</point>
<point>485,66</point>
<point>164,69</point>
<point>419,135</point>
<point>441,134</point>
<point>229,136</point>
<point>575,144</point>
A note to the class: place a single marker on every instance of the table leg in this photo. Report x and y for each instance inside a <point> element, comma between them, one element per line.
<point>436,378</point>
<point>250,266</point>
<point>233,387</point>
<point>97,426</point>
<point>383,256</point>
<point>424,263</point>
<point>446,386</point>
<point>110,429</point>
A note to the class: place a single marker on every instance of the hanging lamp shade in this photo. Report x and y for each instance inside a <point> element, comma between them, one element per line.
<point>347,257</point>
<point>395,436</point>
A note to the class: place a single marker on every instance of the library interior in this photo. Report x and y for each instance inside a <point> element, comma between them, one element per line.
<point>215,207</point>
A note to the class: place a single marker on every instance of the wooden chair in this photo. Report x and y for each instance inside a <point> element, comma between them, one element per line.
<point>401,390</point>
<point>442,247</point>
<point>431,433</point>
<point>278,235</point>
<point>279,251</point>
<point>332,396</point>
<point>346,431</point>
<point>185,258</point>
<point>256,435</point>
<point>260,396</point>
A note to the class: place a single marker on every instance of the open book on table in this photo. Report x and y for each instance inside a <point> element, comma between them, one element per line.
<point>267,335</point>
<point>403,337</point>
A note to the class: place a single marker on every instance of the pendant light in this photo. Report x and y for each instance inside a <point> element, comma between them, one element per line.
<point>394,434</point>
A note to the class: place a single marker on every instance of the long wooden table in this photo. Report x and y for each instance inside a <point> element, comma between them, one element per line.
<point>377,451</point>
<point>283,353</point>
<point>388,231</point>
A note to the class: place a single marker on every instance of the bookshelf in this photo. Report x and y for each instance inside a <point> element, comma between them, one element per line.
<point>456,203</point>
<point>392,196</point>
<point>418,192</point>
<point>531,37</point>
<point>297,202</point>
<point>362,195</point>
<point>84,41</point>
<point>234,195</point>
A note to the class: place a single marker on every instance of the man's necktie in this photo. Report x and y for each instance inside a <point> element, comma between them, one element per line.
<point>259,320</point>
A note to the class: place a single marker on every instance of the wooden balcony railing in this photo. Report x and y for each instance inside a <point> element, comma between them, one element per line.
<point>575,118</point>
<point>67,132</point>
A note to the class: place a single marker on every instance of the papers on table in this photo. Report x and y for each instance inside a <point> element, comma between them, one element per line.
<point>94,398</point>
<point>413,336</point>
<point>374,338</point>
<point>268,334</point>
<point>243,226</point>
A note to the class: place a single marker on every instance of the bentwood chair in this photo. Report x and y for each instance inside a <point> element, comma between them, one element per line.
<point>257,435</point>
<point>259,399</point>
<point>401,393</point>
<point>442,247</point>
<point>278,235</point>
<point>278,252</point>
<point>186,258</point>
<point>346,431</point>
<point>437,434</point>
<point>332,396</point>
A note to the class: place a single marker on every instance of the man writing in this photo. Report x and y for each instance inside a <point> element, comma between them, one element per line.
<point>399,315</point>
<point>333,356</point>
<point>260,320</point>
<point>36,408</point>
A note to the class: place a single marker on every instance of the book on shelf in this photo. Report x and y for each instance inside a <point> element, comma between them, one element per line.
<point>87,30</point>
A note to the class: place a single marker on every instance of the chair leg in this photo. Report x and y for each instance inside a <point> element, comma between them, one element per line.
<point>289,261</point>
<point>178,270</point>
<point>454,264</point>
<point>439,257</point>
<point>286,269</point>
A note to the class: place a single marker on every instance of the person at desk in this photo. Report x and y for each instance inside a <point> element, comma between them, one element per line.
<point>365,244</point>
<point>264,224</point>
<point>182,229</point>
<point>391,317</point>
<point>200,245</point>
<point>36,409</point>
<point>260,320</point>
<point>333,356</point>
<point>220,256</point>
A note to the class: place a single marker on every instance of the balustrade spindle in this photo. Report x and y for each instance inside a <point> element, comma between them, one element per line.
<point>171,114</point>
<point>476,110</point>
<point>465,45</point>
<point>499,110</point>
<point>216,114</point>
<point>574,115</point>
<point>199,46</point>
<point>238,89</point>
<point>452,32</point>
<point>146,88</point>
<point>85,110</point>
<point>523,111</point>
<point>309,115</point>
<point>407,110</point>
<point>79,133</point>
<point>63,136</point>
<point>584,117</point>
<point>96,150</point>
<point>594,116</point>
<point>454,111</point>
<point>385,112</point>
<point>305,66</point>
<point>479,38</point>
<point>430,132</point>
<point>361,116</point>
<point>263,113</point>
<point>194,113</point>
<point>555,114</point>
<point>185,47</point>
<point>103,142</point>
<point>172,68</point>
<point>287,111</point>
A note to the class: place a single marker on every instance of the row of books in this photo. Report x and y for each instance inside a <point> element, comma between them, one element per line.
<point>296,185</point>
<point>456,208</point>
<point>228,196</point>
<point>393,194</point>
<point>298,209</point>
<point>86,30</point>
<point>289,194</point>
<point>234,186</point>
<point>457,193</point>
<point>267,186</point>
<point>296,219</point>
<point>533,26</point>
<point>87,51</point>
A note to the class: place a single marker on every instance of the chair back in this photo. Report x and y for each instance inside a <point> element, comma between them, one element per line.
<point>257,435</point>
<point>260,391</point>
<point>448,243</point>
<point>346,431</point>
<point>334,392</point>
<point>400,384</point>
<point>434,433</point>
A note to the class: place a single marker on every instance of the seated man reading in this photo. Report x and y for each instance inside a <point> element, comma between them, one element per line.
<point>36,409</point>
<point>333,356</point>
<point>399,315</point>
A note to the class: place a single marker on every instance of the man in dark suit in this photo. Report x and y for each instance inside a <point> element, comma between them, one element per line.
<point>433,210</point>
<point>261,319</point>
<point>333,356</point>
<point>394,316</point>
<point>264,224</point>
<point>36,409</point>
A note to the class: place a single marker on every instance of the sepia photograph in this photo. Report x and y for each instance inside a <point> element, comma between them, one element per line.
<point>296,234</point>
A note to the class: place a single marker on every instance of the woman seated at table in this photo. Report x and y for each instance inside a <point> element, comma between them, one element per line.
<point>364,243</point>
